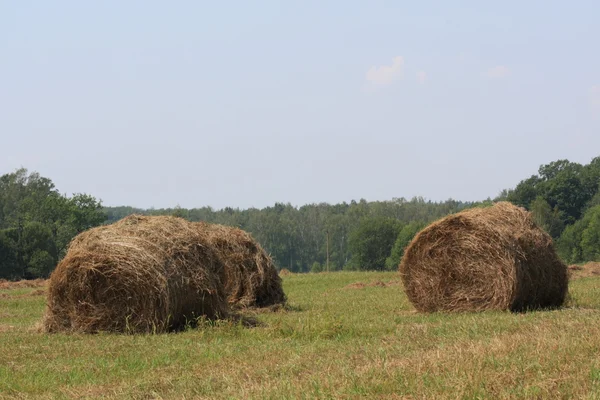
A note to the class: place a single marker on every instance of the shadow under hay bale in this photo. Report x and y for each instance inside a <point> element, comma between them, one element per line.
<point>482,259</point>
<point>250,277</point>
<point>141,274</point>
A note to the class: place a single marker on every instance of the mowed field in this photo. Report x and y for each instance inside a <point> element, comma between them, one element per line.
<point>343,335</point>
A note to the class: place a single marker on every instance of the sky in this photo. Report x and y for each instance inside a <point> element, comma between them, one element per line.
<point>245,104</point>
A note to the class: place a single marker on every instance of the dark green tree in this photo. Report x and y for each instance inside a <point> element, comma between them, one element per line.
<point>590,238</point>
<point>9,265</point>
<point>525,192</point>
<point>566,191</point>
<point>38,223</point>
<point>371,243</point>
<point>546,218</point>
<point>36,249</point>
<point>86,212</point>
<point>405,236</point>
<point>566,186</point>
<point>571,245</point>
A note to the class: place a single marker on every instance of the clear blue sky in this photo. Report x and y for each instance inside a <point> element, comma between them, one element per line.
<point>242,104</point>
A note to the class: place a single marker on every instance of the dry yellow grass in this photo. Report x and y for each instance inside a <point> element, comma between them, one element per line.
<point>4,284</point>
<point>591,269</point>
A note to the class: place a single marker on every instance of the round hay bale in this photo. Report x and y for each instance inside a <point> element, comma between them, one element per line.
<point>141,274</point>
<point>250,276</point>
<point>482,259</point>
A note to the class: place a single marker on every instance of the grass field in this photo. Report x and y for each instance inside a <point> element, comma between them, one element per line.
<point>344,335</point>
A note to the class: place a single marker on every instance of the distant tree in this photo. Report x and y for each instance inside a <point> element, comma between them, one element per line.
<point>37,223</point>
<point>405,236</point>
<point>567,187</point>
<point>316,267</point>
<point>552,170</point>
<point>525,192</point>
<point>371,243</point>
<point>568,245</point>
<point>579,241</point>
<point>591,177</point>
<point>566,191</point>
<point>503,195</point>
<point>180,212</point>
<point>9,265</point>
<point>86,212</point>
<point>35,250</point>
<point>590,238</point>
<point>594,201</point>
<point>296,237</point>
<point>546,218</point>
<point>40,264</point>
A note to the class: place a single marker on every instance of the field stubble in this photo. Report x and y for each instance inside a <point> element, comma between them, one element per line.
<point>343,335</point>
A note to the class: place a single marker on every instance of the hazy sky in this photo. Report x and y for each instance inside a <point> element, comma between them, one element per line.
<point>245,104</point>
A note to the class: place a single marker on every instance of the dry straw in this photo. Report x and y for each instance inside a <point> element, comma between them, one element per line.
<point>481,259</point>
<point>141,274</point>
<point>34,283</point>
<point>251,279</point>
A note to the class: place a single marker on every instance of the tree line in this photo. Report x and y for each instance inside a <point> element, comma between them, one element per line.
<point>37,222</point>
<point>317,237</point>
<point>564,198</point>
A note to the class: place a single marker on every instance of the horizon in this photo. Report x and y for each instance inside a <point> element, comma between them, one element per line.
<point>297,206</point>
<point>406,199</point>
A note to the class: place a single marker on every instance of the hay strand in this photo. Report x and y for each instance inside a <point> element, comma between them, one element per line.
<point>250,276</point>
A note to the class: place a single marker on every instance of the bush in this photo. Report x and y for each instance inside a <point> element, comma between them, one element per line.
<point>580,241</point>
<point>316,267</point>
<point>405,236</point>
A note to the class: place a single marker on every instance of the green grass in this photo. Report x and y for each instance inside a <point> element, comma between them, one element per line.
<point>332,342</point>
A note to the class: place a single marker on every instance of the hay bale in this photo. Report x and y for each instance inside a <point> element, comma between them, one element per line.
<point>250,276</point>
<point>481,259</point>
<point>141,274</point>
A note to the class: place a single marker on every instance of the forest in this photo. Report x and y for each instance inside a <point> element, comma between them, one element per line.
<point>37,222</point>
